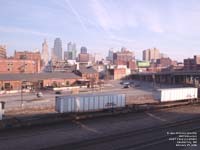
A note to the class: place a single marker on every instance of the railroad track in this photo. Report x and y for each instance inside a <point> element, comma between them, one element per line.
<point>136,139</point>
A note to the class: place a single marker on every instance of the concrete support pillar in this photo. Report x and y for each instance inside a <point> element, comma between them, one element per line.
<point>173,80</point>
<point>169,79</point>
<point>184,79</point>
<point>160,80</point>
<point>196,81</point>
<point>166,79</point>
<point>191,80</point>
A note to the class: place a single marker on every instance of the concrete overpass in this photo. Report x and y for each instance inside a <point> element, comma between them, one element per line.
<point>173,77</point>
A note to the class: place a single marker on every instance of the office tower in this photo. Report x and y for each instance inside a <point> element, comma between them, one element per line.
<point>45,52</point>
<point>71,49</point>
<point>124,57</point>
<point>2,51</point>
<point>83,56</point>
<point>57,50</point>
<point>83,50</point>
<point>65,55</point>
<point>151,54</point>
<point>110,55</point>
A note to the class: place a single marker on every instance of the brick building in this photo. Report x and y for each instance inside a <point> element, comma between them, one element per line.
<point>17,66</point>
<point>88,73</point>
<point>124,57</point>
<point>2,51</point>
<point>26,55</point>
<point>192,63</point>
<point>164,62</point>
<point>151,54</point>
<point>119,73</point>
<point>40,80</point>
<point>83,57</point>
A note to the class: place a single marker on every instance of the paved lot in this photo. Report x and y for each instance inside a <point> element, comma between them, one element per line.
<point>74,131</point>
<point>30,100</point>
<point>143,93</point>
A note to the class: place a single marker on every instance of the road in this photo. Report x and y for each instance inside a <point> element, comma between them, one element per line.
<point>30,100</point>
<point>131,129</point>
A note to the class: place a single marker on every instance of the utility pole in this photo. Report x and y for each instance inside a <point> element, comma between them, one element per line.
<point>22,101</point>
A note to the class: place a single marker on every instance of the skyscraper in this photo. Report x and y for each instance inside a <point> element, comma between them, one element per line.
<point>71,49</point>
<point>74,51</point>
<point>151,54</point>
<point>2,51</point>
<point>83,56</point>
<point>45,52</point>
<point>122,57</point>
<point>57,50</point>
<point>145,55</point>
<point>65,55</point>
<point>83,50</point>
<point>110,55</point>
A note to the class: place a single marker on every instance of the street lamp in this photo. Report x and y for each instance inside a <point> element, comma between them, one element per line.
<point>22,101</point>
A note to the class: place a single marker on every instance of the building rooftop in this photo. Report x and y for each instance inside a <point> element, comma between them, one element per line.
<point>87,70</point>
<point>38,76</point>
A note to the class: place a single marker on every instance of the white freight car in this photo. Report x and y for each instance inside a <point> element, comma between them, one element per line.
<point>89,103</point>
<point>176,94</point>
<point>1,110</point>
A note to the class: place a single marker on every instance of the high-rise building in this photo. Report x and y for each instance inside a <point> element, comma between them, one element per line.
<point>45,53</point>
<point>2,51</point>
<point>74,51</point>
<point>110,55</point>
<point>192,63</point>
<point>83,50</point>
<point>71,49</point>
<point>151,54</point>
<point>83,56</point>
<point>124,57</point>
<point>65,55</point>
<point>145,55</point>
<point>57,50</point>
<point>69,46</point>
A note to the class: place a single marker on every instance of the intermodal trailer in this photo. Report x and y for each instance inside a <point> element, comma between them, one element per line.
<point>2,107</point>
<point>176,94</point>
<point>89,103</point>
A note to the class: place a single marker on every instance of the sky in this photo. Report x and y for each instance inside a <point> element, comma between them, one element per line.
<point>172,26</point>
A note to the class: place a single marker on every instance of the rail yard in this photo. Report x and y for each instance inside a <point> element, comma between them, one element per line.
<point>113,118</point>
<point>122,131</point>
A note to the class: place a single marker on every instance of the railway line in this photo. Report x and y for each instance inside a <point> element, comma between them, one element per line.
<point>138,130</point>
<point>136,139</point>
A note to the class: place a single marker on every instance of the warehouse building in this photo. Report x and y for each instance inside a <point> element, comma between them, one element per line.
<point>40,80</point>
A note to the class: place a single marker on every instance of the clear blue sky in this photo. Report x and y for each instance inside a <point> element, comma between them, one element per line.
<point>173,26</point>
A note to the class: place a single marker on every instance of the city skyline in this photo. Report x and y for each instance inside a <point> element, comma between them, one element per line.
<point>171,26</point>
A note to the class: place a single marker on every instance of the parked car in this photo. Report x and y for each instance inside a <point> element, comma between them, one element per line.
<point>39,94</point>
<point>126,85</point>
<point>121,82</point>
<point>126,82</point>
<point>58,92</point>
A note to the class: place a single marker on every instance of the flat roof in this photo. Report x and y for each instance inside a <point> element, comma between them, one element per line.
<point>38,76</point>
<point>178,88</point>
<point>87,70</point>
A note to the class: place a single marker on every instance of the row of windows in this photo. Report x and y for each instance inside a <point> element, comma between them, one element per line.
<point>11,64</point>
